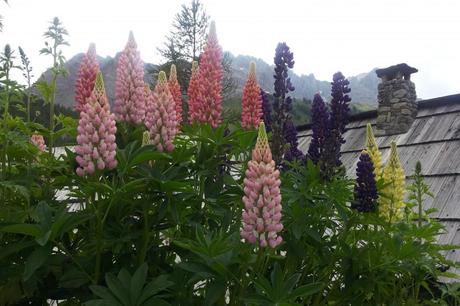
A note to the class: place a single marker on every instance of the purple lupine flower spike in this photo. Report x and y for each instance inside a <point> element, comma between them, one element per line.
<point>320,121</point>
<point>365,189</point>
<point>290,135</point>
<point>284,60</point>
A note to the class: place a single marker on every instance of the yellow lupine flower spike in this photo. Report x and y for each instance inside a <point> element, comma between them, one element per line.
<point>373,151</point>
<point>392,201</point>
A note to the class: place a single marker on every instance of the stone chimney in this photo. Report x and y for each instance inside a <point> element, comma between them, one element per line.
<point>397,107</point>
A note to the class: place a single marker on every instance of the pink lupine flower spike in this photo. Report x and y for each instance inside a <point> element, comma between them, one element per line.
<point>174,88</point>
<point>86,78</point>
<point>96,147</point>
<point>252,101</point>
<point>161,119</point>
<point>38,141</point>
<point>262,198</point>
<point>129,91</point>
<point>209,104</point>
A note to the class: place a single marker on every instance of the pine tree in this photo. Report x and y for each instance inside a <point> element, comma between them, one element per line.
<point>1,18</point>
<point>187,39</point>
<point>186,42</point>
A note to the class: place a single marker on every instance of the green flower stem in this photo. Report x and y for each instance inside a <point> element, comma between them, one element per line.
<point>5,124</point>
<point>145,238</point>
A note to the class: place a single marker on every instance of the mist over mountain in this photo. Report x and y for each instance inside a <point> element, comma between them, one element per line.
<point>363,86</point>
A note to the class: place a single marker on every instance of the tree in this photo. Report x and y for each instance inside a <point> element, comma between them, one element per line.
<point>1,18</point>
<point>190,30</point>
<point>185,43</point>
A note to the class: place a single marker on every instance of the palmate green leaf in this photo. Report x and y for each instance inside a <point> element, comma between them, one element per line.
<point>104,293</point>
<point>306,290</point>
<point>127,290</point>
<point>17,247</point>
<point>18,189</point>
<point>67,221</point>
<point>73,279</point>
<point>154,301</point>
<point>154,287</point>
<point>24,229</point>
<point>43,239</point>
<point>147,153</point>
<point>290,283</point>
<point>277,283</point>
<point>214,292</point>
<point>256,299</point>
<point>118,289</point>
<point>137,283</point>
<point>45,89</point>
<point>197,268</point>
<point>133,186</point>
<point>35,260</point>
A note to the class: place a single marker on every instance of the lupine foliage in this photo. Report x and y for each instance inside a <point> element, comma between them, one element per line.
<point>165,228</point>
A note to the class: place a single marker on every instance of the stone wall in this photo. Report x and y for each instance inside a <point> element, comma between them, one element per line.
<point>397,106</point>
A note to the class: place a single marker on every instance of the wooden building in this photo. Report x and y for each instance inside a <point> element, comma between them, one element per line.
<point>430,134</point>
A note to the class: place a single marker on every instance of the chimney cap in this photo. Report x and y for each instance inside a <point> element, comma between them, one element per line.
<point>392,71</point>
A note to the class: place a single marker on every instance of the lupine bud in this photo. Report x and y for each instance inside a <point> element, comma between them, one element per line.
<point>365,188</point>
<point>374,152</point>
<point>129,92</point>
<point>266,110</point>
<point>86,78</point>
<point>38,141</point>
<point>174,87</point>
<point>193,93</point>
<point>209,104</point>
<point>145,138</point>
<point>261,215</point>
<point>96,148</point>
<point>252,101</point>
<point>392,201</point>
<point>320,118</point>
<point>161,116</point>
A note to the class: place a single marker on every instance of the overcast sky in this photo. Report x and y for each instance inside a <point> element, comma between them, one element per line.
<point>325,35</point>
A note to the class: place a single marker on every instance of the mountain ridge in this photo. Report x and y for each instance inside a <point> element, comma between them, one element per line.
<point>363,86</point>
